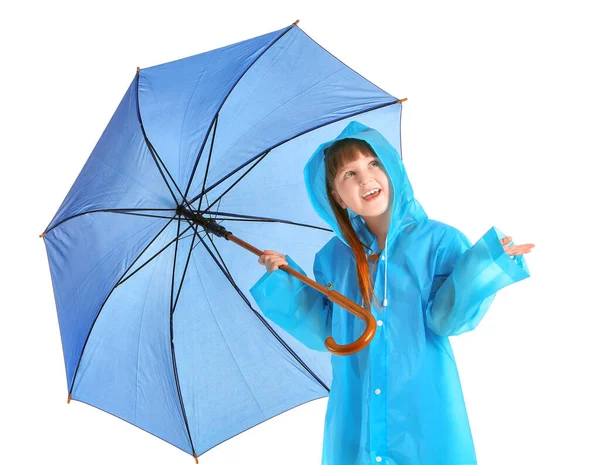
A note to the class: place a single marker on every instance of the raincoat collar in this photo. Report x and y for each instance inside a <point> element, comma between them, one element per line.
<point>406,210</point>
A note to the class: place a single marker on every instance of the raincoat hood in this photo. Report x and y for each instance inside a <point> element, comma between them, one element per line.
<point>405,209</point>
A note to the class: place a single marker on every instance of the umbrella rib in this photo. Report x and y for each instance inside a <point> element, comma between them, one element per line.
<point>205,235</point>
<point>233,185</point>
<point>200,153</point>
<point>248,220</point>
<point>195,227</point>
<point>106,300</point>
<point>198,243</point>
<point>153,152</point>
<point>172,310</point>
<point>217,250</point>
<point>171,177</point>
<point>151,258</point>
<point>207,201</point>
<point>135,209</point>
<point>266,219</point>
<point>212,144</point>
<point>206,191</point>
<point>227,272</point>
<point>148,143</point>
<point>239,291</point>
<point>174,266</point>
<point>291,138</point>
<point>218,206</point>
<point>109,210</point>
<point>223,103</point>
<point>143,214</point>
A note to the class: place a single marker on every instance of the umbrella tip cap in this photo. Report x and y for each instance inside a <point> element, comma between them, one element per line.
<point>138,70</point>
<point>43,235</point>
<point>296,22</point>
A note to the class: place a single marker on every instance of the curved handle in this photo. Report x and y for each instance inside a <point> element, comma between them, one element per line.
<point>360,312</point>
<point>347,304</point>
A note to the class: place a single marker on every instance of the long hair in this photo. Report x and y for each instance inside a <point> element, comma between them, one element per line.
<point>336,156</point>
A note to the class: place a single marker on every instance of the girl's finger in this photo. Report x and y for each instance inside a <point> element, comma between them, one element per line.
<point>517,249</point>
<point>273,267</point>
<point>274,264</point>
<point>523,247</point>
<point>272,253</point>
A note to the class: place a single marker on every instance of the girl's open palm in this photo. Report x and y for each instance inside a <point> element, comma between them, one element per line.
<point>516,249</point>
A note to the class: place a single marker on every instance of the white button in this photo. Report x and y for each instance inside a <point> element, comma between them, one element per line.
<point>383,257</point>
<point>379,322</point>
<point>378,458</point>
<point>378,391</point>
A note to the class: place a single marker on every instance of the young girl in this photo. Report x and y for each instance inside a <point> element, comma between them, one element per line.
<point>399,400</point>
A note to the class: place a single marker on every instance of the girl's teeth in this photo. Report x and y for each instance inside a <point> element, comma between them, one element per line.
<point>370,196</point>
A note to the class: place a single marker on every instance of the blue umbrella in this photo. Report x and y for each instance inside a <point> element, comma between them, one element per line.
<point>157,323</point>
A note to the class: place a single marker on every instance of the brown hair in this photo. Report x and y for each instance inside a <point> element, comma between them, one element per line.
<point>336,156</point>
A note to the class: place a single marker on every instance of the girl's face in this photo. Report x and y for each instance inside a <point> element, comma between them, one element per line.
<point>357,178</point>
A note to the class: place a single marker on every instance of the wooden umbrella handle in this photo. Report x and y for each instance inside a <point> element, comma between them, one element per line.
<point>332,295</point>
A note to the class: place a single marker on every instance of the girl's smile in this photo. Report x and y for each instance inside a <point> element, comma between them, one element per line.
<point>371,194</point>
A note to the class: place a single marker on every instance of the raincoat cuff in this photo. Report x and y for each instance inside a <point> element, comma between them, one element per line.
<point>276,294</point>
<point>273,281</point>
<point>466,295</point>
<point>294,306</point>
<point>515,267</point>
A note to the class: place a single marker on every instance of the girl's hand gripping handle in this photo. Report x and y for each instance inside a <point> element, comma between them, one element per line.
<point>274,260</point>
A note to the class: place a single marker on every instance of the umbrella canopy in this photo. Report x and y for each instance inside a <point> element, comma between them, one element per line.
<point>157,324</point>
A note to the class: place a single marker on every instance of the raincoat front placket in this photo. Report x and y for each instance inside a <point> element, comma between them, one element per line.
<point>378,374</point>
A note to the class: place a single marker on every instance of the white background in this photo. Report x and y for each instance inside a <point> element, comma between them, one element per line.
<point>500,128</point>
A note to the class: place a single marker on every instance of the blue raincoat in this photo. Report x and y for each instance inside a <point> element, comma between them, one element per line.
<point>398,401</point>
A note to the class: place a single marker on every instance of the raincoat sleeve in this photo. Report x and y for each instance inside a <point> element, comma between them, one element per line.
<point>294,306</point>
<point>467,278</point>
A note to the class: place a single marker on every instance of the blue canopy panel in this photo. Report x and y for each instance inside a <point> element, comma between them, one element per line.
<point>120,172</point>
<point>126,368</point>
<point>289,95</point>
<point>287,89</point>
<point>88,255</point>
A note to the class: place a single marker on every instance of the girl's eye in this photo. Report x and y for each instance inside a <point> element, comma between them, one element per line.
<point>377,163</point>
